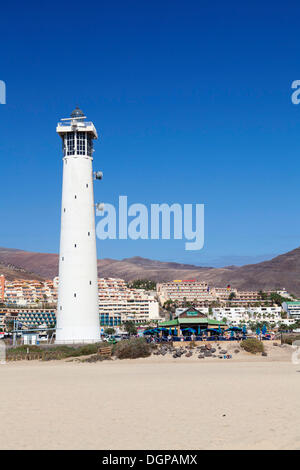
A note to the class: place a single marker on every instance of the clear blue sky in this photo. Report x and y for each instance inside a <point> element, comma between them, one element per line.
<point>192,102</point>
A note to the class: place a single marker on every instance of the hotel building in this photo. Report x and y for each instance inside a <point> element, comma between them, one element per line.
<point>35,302</point>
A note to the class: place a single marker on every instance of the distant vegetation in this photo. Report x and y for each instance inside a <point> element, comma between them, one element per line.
<point>290,339</point>
<point>130,327</point>
<point>127,349</point>
<point>52,352</point>
<point>273,298</point>
<point>132,349</point>
<point>142,284</point>
<point>252,345</point>
<point>109,331</point>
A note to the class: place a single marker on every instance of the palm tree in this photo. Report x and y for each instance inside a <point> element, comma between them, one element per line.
<point>130,327</point>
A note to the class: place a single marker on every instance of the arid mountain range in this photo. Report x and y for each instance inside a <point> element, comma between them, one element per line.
<point>281,271</point>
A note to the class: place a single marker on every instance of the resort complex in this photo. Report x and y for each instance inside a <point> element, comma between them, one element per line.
<point>33,303</point>
<point>191,290</point>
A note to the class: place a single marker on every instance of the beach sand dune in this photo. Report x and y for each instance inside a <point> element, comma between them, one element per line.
<point>150,404</point>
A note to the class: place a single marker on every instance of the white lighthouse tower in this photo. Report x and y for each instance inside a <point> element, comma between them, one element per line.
<point>78,306</point>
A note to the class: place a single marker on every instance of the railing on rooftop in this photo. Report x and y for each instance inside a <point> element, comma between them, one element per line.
<point>78,123</point>
<point>35,306</point>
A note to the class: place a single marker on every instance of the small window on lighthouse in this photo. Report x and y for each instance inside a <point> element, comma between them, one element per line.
<point>90,283</point>
<point>87,185</point>
<point>74,295</point>
<point>89,234</point>
<point>75,245</point>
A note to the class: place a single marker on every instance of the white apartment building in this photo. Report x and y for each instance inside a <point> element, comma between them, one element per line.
<point>223,293</point>
<point>283,292</point>
<point>139,311</point>
<point>237,315</point>
<point>234,315</point>
<point>266,313</point>
<point>181,290</point>
<point>118,303</point>
<point>192,290</point>
<point>23,292</point>
<point>292,309</point>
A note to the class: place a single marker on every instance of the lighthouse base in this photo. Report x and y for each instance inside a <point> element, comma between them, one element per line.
<point>69,336</point>
<point>82,341</point>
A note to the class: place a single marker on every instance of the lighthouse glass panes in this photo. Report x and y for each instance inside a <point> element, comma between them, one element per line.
<point>81,137</point>
<point>69,144</point>
<point>80,143</point>
<point>89,146</point>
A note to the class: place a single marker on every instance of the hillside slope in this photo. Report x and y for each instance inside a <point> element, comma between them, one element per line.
<point>281,271</point>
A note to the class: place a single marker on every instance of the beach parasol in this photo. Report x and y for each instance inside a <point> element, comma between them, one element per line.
<point>264,330</point>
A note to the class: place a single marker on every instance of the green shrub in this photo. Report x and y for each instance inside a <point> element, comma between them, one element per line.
<point>290,339</point>
<point>50,352</point>
<point>65,351</point>
<point>252,345</point>
<point>109,331</point>
<point>132,349</point>
<point>22,350</point>
<point>87,349</point>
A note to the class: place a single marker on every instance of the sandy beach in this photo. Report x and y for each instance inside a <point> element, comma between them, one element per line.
<point>249,402</point>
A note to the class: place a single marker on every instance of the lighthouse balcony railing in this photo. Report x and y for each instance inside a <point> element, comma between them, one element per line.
<point>79,123</point>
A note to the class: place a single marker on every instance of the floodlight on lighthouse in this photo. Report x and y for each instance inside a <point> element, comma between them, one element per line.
<point>100,206</point>
<point>98,175</point>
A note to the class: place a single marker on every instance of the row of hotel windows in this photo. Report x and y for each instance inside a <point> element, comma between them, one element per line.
<point>104,320</point>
